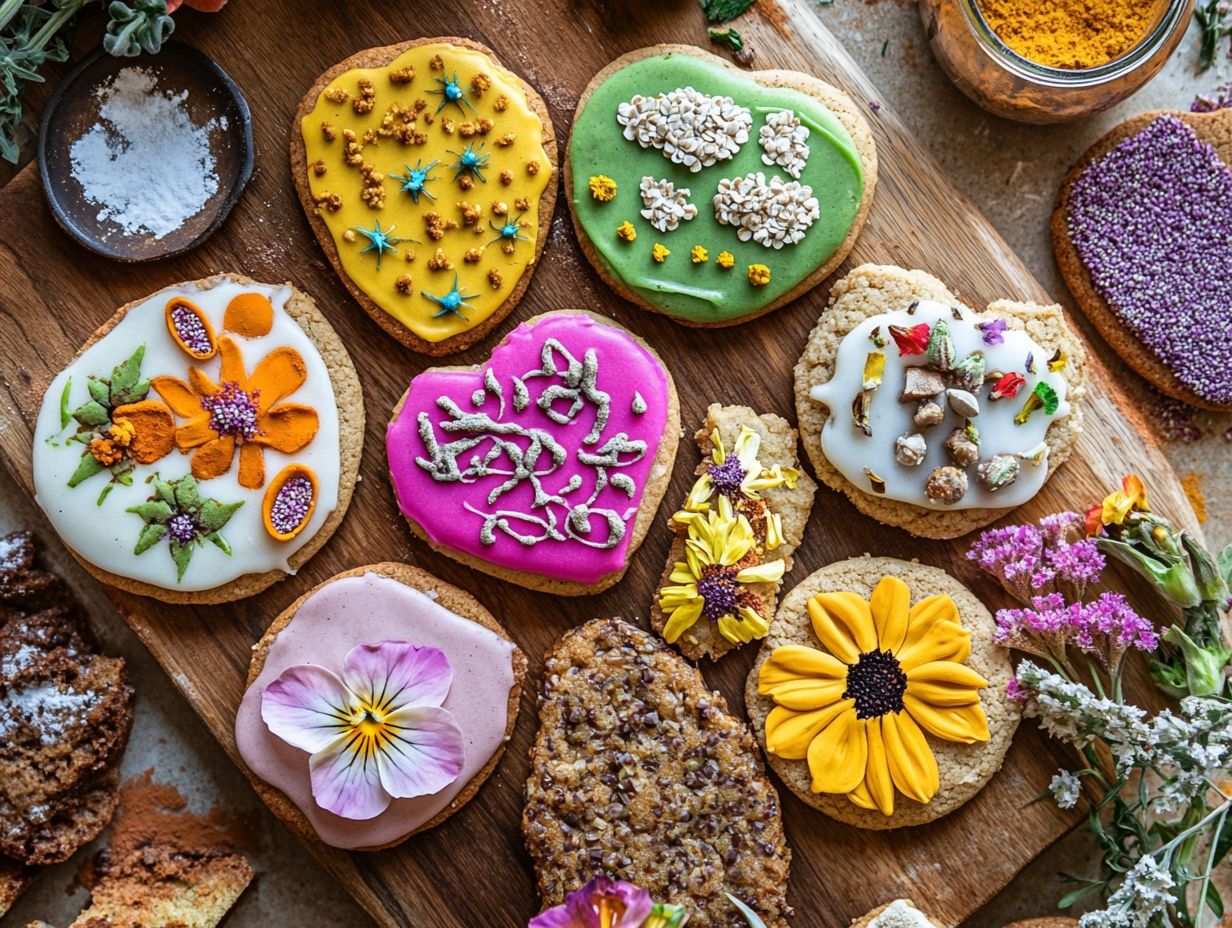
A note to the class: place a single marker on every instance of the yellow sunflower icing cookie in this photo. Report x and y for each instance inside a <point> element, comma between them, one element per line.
<point>879,694</point>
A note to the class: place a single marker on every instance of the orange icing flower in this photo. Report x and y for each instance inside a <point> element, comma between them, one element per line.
<point>144,431</point>
<point>240,410</point>
<point>858,708</point>
<point>250,315</point>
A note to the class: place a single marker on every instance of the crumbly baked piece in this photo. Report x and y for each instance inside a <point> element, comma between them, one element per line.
<point>842,106</point>
<point>792,504</point>
<point>639,771</point>
<point>447,596</point>
<point>160,886</point>
<point>350,400</point>
<point>375,58</point>
<point>65,715</point>
<point>14,878</point>
<point>1215,129</point>
<point>964,768</point>
<point>899,913</point>
<point>1048,921</point>
<point>873,289</point>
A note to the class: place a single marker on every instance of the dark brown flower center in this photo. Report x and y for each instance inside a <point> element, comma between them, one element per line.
<point>877,683</point>
<point>717,587</point>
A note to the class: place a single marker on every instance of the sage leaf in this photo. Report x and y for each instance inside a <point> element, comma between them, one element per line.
<point>86,469</point>
<point>214,515</point>
<point>153,511</point>
<point>150,535</point>
<point>92,414</point>
<point>181,554</point>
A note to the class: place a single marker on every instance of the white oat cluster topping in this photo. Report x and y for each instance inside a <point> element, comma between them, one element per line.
<point>689,127</point>
<point>666,207</point>
<point>784,141</point>
<point>772,213</point>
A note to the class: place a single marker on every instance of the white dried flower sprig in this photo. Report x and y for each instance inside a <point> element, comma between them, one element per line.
<point>784,141</point>
<point>772,213</point>
<point>666,206</point>
<point>690,128</point>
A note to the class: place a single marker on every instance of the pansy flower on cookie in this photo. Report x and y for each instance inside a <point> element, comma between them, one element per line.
<point>377,704</point>
<point>422,165</point>
<point>735,534</point>
<point>188,400</point>
<point>878,693</point>
<point>545,465</point>
<point>676,156</point>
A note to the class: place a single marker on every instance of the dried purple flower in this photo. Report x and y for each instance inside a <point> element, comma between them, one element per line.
<point>1042,630</point>
<point>1030,561</point>
<point>1108,627</point>
<point>992,331</point>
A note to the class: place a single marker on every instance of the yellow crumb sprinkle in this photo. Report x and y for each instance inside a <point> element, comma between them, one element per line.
<point>699,255</point>
<point>494,279</point>
<point>726,260</point>
<point>1192,485</point>
<point>659,253</point>
<point>625,232</point>
<point>759,275</point>
<point>603,188</point>
<point>403,284</point>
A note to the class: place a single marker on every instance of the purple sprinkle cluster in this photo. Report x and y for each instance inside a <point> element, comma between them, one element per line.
<point>717,588</point>
<point>727,476</point>
<point>233,411</point>
<point>190,329</point>
<point>291,505</point>
<point>1105,628</point>
<point>1152,223</point>
<point>182,528</point>
<point>1029,561</point>
<point>1209,102</point>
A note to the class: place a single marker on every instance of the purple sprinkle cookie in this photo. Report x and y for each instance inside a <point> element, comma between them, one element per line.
<point>1152,223</point>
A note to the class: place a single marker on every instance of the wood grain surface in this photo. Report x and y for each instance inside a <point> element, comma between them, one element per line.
<point>473,870</point>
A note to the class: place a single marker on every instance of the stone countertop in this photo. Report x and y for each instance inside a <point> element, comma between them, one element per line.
<point>1011,171</point>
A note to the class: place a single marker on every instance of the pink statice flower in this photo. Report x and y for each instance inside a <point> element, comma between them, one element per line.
<point>1108,627</point>
<point>1043,629</point>
<point>1031,561</point>
<point>375,733</point>
<point>601,903</point>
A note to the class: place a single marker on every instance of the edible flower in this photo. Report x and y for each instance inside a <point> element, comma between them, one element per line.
<point>1007,386</point>
<point>178,512</point>
<point>726,260</point>
<point>911,340</point>
<point>241,410</point>
<point>1117,506</point>
<point>759,275</point>
<point>601,903</point>
<point>738,475</point>
<point>602,188</point>
<point>625,232</point>
<point>857,708</point>
<point>659,252</point>
<point>713,580</point>
<point>1032,561</point>
<point>992,331</point>
<point>376,733</point>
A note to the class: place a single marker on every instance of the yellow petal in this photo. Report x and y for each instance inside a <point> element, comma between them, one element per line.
<point>789,733</point>
<point>682,574</point>
<point>932,609</point>
<point>699,497</point>
<point>762,573</point>
<point>890,604</point>
<point>945,683</point>
<point>748,443</point>
<point>774,530</point>
<point>752,620</point>
<point>805,695</point>
<point>861,797</point>
<point>795,661</point>
<point>877,773</point>
<point>913,767</point>
<point>935,641</point>
<point>843,624</point>
<point>838,755</point>
<point>964,724</point>
<point>682,618</point>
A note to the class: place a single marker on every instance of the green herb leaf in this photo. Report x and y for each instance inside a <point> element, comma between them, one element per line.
<point>106,492</point>
<point>220,542</point>
<point>100,390</point>
<point>720,11</point>
<point>151,534</point>
<point>164,490</point>
<point>729,37</point>
<point>186,493</point>
<point>1211,24</point>
<point>65,416</point>
<point>86,469</point>
<point>214,515</point>
<point>181,554</point>
<point>137,26</point>
<point>154,510</point>
<point>92,415</point>
<point>127,373</point>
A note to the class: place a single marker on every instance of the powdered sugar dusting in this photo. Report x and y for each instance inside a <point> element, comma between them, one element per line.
<point>145,164</point>
<point>49,709</point>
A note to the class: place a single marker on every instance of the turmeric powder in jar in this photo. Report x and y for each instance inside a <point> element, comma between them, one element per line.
<point>1070,34</point>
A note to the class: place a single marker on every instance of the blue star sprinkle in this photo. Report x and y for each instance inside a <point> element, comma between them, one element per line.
<point>452,303</point>
<point>452,92</point>
<point>509,232</point>
<point>379,240</point>
<point>416,179</point>
<point>472,161</point>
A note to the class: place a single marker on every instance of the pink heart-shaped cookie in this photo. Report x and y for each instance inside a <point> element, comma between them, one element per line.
<point>544,466</point>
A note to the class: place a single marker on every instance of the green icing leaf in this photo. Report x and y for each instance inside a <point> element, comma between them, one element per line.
<point>165,491</point>
<point>186,494</point>
<point>214,515</point>
<point>181,554</point>
<point>153,511</point>
<point>100,391</point>
<point>1048,397</point>
<point>86,469</point>
<point>720,11</point>
<point>92,414</point>
<point>106,492</point>
<point>65,416</point>
<point>221,542</point>
<point>126,375</point>
<point>151,534</point>
<point>126,477</point>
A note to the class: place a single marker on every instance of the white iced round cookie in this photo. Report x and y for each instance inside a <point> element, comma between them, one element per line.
<point>877,437</point>
<point>95,515</point>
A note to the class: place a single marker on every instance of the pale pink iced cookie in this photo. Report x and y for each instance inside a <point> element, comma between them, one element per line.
<point>544,466</point>
<point>377,705</point>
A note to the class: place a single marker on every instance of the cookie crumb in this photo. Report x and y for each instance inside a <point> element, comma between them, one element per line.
<point>495,281</point>
<point>403,284</point>
<point>473,256</point>
<point>439,261</point>
<point>402,75</point>
<point>318,167</point>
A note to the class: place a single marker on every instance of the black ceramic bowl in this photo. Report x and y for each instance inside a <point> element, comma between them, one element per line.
<point>73,110</point>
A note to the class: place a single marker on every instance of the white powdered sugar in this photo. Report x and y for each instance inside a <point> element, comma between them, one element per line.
<point>47,708</point>
<point>145,163</point>
<point>10,553</point>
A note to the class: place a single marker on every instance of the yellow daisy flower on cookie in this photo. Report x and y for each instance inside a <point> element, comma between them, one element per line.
<point>858,708</point>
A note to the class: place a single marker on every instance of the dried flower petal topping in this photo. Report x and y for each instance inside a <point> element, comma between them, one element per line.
<point>992,331</point>
<point>940,351</point>
<point>1058,360</point>
<point>875,481</point>
<point>913,340</point>
<point>1007,387</point>
<point>874,369</point>
<point>1042,397</point>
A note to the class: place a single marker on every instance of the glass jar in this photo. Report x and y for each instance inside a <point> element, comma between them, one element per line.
<point>1003,82</point>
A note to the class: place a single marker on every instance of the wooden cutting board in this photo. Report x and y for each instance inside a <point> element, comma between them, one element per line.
<point>473,870</point>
